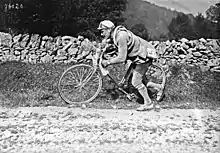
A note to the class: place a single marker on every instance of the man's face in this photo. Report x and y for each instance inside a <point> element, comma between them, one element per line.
<point>106,33</point>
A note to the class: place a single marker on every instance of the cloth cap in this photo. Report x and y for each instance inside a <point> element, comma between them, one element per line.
<point>106,24</point>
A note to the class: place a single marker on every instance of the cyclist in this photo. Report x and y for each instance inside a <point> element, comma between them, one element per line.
<point>131,48</point>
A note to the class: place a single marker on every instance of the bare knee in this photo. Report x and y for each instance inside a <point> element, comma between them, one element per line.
<point>136,82</point>
<point>154,85</point>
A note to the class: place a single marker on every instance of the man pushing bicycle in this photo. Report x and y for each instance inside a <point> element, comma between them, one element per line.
<point>135,49</point>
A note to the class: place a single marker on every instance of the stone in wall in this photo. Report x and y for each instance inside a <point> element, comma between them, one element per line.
<point>197,54</point>
<point>214,62</point>
<point>5,39</point>
<point>161,48</point>
<point>214,46</point>
<point>16,40</point>
<point>46,59</point>
<point>43,41</point>
<point>49,44</point>
<point>184,40</point>
<point>184,46</point>
<point>34,41</point>
<point>181,51</point>
<point>73,51</point>
<point>191,50</point>
<point>24,40</point>
<point>86,47</point>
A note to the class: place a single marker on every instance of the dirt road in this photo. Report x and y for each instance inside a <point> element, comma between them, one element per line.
<point>70,130</point>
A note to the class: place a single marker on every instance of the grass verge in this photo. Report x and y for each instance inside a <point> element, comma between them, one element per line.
<point>31,85</point>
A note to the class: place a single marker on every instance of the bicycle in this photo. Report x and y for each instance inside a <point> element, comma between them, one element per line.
<point>81,83</point>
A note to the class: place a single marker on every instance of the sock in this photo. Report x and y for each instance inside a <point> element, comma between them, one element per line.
<point>144,93</point>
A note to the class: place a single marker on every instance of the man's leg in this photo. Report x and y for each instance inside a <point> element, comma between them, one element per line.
<point>159,88</point>
<point>154,85</point>
<point>138,73</point>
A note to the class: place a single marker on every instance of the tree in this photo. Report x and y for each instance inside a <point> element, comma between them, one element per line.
<point>29,15</point>
<point>76,17</point>
<point>202,27</point>
<point>62,17</point>
<point>9,14</point>
<point>181,27</point>
<point>213,14</point>
<point>97,10</point>
<point>140,30</point>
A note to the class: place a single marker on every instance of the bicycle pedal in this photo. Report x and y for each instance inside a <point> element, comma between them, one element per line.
<point>131,96</point>
<point>134,96</point>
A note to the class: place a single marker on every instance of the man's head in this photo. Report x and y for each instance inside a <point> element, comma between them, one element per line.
<point>106,28</point>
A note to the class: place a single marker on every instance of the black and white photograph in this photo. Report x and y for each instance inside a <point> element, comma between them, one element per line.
<point>109,76</point>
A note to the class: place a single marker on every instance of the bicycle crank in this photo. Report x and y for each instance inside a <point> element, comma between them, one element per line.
<point>129,96</point>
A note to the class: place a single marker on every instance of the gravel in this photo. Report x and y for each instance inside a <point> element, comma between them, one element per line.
<point>70,130</point>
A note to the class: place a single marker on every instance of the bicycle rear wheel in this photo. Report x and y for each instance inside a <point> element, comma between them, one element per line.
<point>155,77</point>
<point>78,84</point>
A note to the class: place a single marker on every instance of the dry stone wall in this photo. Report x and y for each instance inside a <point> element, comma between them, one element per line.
<point>202,52</point>
<point>37,49</point>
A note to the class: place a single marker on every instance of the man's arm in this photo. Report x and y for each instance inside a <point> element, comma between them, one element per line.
<point>122,49</point>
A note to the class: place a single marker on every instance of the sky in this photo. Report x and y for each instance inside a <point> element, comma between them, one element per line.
<point>187,6</point>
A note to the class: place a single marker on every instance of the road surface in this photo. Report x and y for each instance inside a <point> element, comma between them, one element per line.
<point>78,130</point>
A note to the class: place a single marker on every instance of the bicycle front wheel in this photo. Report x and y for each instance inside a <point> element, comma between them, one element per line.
<point>79,84</point>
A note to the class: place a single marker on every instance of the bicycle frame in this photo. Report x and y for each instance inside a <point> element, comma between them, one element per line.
<point>122,82</point>
<point>85,72</point>
<point>97,63</point>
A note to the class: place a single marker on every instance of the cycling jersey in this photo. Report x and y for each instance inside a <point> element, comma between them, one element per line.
<point>138,49</point>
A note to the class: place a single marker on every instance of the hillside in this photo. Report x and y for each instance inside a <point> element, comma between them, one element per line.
<point>186,6</point>
<point>155,18</point>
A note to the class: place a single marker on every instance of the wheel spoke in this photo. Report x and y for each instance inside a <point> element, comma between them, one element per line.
<point>73,77</point>
<point>87,73</point>
<point>87,77</point>
<point>70,90</point>
<point>77,85</point>
<point>80,74</point>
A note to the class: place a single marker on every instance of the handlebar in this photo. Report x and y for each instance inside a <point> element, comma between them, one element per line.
<point>96,57</point>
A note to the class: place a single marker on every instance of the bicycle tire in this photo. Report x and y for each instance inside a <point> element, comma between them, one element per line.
<point>72,94</point>
<point>152,75</point>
